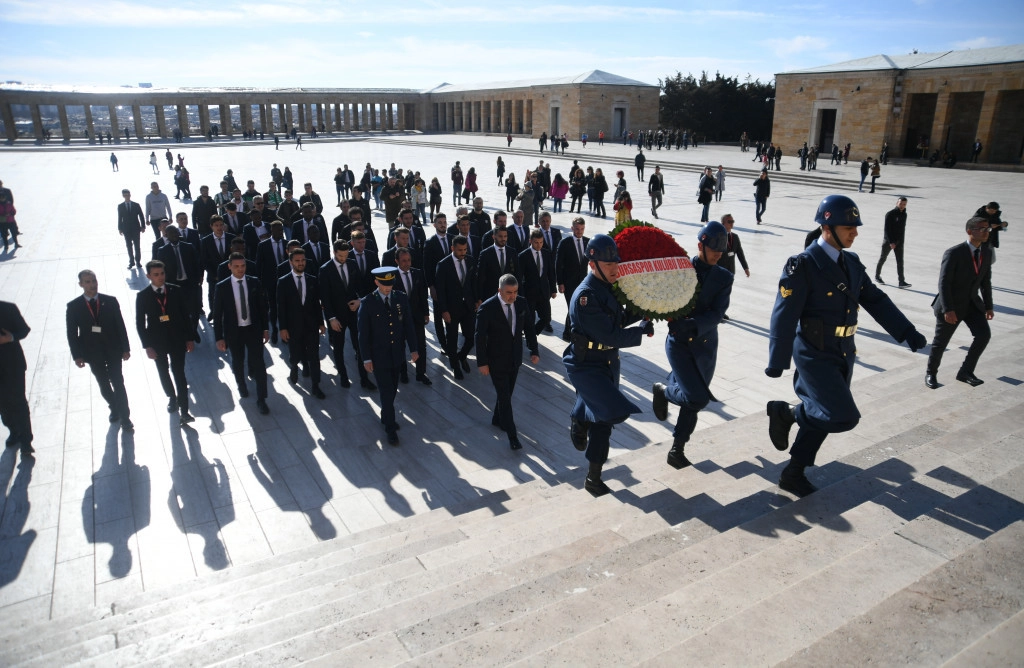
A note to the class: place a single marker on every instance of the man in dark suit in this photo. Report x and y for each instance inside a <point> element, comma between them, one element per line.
<point>270,254</point>
<point>317,251</point>
<point>571,264</point>
<point>161,240</point>
<point>417,237</point>
<point>340,283</point>
<point>214,249</point>
<point>237,245</point>
<point>257,230</point>
<point>500,223</point>
<point>204,208</point>
<point>965,293</point>
<point>494,262</point>
<point>366,261</point>
<point>480,220</point>
<point>435,250</point>
<point>186,233</point>
<point>552,236</point>
<point>519,232</point>
<point>501,322</point>
<point>456,296</point>
<point>410,280</point>
<point>403,239</point>
<point>97,337</point>
<point>302,320</point>
<point>537,280</point>
<point>308,218</point>
<point>130,224</point>
<point>181,262</point>
<point>240,326</point>
<point>14,411</point>
<point>234,219</point>
<point>386,328</point>
<point>473,243</point>
<point>163,324</point>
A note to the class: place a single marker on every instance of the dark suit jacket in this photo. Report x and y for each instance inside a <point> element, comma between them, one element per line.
<point>389,259</point>
<point>454,297</point>
<point>167,336</point>
<point>513,239</point>
<point>488,270</point>
<point>432,254</point>
<point>208,254</point>
<point>202,211</point>
<point>225,315</point>
<point>496,347</point>
<point>242,221</point>
<point>189,258</point>
<point>299,229</point>
<point>224,270</point>
<point>513,236</point>
<point>417,296</point>
<point>335,295</point>
<point>475,244</point>
<point>417,237</point>
<point>372,262</point>
<point>300,319</point>
<point>12,357</point>
<point>190,236</point>
<point>315,199</point>
<point>569,270</point>
<point>556,238</point>
<point>252,240</point>
<point>479,223</point>
<point>313,263</point>
<point>960,286</point>
<point>266,263</point>
<point>111,342</point>
<point>532,285</point>
<point>131,221</point>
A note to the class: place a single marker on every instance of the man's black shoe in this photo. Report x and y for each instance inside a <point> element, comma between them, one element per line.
<point>904,284</point>
<point>114,417</point>
<point>596,487</point>
<point>186,418</point>
<point>494,421</point>
<point>318,393</point>
<point>931,381</point>
<point>345,382</point>
<point>293,376</point>
<point>172,406</point>
<point>423,379</point>
<point>261,406</point>
<point>392,438</point>
<point>464,363</point>
<point>677,458</point>
<point>513,442</point>
<point>579,433</point>
<point>131,265</point>
<point>780,420</point>
<point>878,279</point>
<point>126,425</point>
<point>796,484</point>
<point>459,375</point>
<point>367,384</point>
<point>549,329</point>
<point>243,391</point>
<point>660,402</point>
<point>970,379</point>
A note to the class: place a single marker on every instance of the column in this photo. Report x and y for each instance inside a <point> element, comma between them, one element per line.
<point>183,119</point>
<point>451,117</point>
<point>225,128</point>
<point>280,118</point>
<point>65,127</point>
<point>115,127</point>
<point>329,113</point>
<point>266,116</point>
<point>301,120</point>
<point>985,121</point>
<point>320,117</point>
<point>246,113</point>
<point>37,122</point>
<point>10,130</point>
<point>943,109</point>
<point>391,116</point>
<point>401,116</point>
<point>161,122</point>
<point>287,117</point>
<point>204,118</point>
<point>137,117</point>
<point>88,123</point>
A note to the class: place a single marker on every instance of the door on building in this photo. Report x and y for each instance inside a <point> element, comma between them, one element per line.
<point>556,121</point>
<point>618,121</point>
<point>826,129</point>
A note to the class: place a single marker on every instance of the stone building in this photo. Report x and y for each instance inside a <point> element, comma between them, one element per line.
<point>588,102</point>
<point>918,103</point>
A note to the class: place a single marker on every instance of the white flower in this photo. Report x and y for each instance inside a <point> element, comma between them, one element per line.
<point>660,292</point>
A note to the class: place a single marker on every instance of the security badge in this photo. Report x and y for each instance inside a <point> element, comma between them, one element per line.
<point>165,318</point>
<point>97,330</point>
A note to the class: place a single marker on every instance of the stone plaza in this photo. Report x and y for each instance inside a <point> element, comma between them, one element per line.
<point>103,518</point>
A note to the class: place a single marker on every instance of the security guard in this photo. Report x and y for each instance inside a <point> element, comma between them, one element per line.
<point>599,329</point>
<point>386,327</point>
<point>692,343</point>
<point>813,323</point>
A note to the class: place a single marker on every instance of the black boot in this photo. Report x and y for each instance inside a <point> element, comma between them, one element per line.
<point>594,484</point>
<point>579,433</point>
<point>794,481</point>
<point>780,421</point>
<point>676,457</point>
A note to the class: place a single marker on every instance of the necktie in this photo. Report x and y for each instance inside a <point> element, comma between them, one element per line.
<point>579,248</point>
<point>181,266</point>
<point>344,280</point>
<point>278,252</point>
<point>460,271</point>
<point>159,291</point>
<point>511,320</point>
<point>547,237</point>
<point>387,304</point>
<point>407,281</point>
<point>243,300</point>
<point>977,255</point>
<point>220,246</point>
<point>540,267</point>
<point>316,252</point>
<point>362,264</point>
<point>444,245</point>
<point>842,263</point>
<point>501,259</point>
<point>298,285</point>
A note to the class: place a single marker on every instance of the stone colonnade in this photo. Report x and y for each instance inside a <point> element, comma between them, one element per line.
<point>86,115</point>
<point>501,115</point>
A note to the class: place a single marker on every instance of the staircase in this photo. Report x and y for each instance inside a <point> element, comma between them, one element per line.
<point>911,552</point>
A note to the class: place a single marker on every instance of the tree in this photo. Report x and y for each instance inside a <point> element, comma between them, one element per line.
<point>718,109</point>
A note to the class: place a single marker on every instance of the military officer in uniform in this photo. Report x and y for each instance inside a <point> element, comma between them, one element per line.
<point>385,329</point>
<point>813,324</point>
<point>692,343</point>
<point>599,327</point>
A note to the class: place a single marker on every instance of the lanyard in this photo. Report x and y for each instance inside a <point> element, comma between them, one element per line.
<point>96,315</point>
<point>161,298</point>
<point>976,263</point>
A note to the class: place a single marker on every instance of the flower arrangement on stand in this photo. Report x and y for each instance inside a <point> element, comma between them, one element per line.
<point>656,279</point>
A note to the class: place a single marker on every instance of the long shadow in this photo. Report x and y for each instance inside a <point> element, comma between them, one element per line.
<point>117,504</point>
<point>1006,310</point>
<point>14,510</point>
<point>198,488</point>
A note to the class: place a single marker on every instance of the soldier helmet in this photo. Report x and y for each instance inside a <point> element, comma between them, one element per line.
<point>838,210</point>
<point>714,236</point>
<point>602,248</point>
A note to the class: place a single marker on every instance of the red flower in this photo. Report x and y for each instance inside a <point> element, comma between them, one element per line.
<point>644,243</point>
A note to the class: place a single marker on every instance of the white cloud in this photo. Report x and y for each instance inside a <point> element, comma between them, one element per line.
<point>977,43</point>
<point>793,45</point>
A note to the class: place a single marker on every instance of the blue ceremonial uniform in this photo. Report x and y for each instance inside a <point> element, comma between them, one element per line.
<point>692,347</point>
<point>812,323</point>
<point>596,316</point>
<point>383,335</point>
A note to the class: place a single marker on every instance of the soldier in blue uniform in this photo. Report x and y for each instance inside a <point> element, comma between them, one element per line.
<point>386,327</point>
<point>813,324</point>
<point>599,328</point>
<point>692,343</point>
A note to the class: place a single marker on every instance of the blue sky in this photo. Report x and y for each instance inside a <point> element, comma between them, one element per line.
<point>323,43</point>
